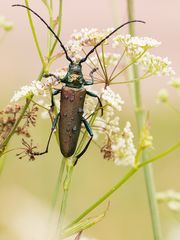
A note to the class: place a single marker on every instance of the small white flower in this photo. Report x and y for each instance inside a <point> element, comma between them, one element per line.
<point>135,45</point>
<point>112,99</point>
<point>36,88</point>
<point>85,38</point>
<point>156,65</point>
<point>124,149</point>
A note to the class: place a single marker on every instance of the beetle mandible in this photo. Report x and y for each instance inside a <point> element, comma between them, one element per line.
<point>72,98</point>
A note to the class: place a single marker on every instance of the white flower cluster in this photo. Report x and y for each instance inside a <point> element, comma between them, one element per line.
<point>74,49</point>
<point>112,99</point>
<point>110,59</point>
<point>172,199</point>
<point>156,65</point>
<point>36,88</point>
<point>90,37</point>
<point>84,38</point>
<point>135,45</point>
<point>119,147</point>
<point>123,148</point>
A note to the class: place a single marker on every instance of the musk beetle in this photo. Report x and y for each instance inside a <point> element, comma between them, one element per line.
<point>72,98</point>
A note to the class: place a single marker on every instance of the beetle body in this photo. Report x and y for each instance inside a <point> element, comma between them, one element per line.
<point>71,111</point>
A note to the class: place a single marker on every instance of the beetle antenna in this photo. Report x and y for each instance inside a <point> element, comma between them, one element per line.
<point>92,50</point>
<point>50,29</point>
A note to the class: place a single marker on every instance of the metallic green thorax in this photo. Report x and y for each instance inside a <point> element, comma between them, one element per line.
<point>74,77</point>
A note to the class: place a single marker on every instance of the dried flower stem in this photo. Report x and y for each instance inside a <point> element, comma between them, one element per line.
<point>140,118</point>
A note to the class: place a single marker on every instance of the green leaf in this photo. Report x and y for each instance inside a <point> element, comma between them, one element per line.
<point>82,225</point>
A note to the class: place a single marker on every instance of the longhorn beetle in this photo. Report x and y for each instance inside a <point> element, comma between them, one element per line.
<point>72,99</point>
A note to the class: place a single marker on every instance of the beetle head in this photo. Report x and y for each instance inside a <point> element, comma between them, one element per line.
<point>74,76</point>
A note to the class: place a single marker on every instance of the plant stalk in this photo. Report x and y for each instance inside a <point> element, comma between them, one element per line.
<point>140,119</point>
<point>129,174</point>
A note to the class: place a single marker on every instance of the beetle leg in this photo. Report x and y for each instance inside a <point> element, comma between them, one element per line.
<point>89,130</point>
<point>99,100</point>
<point>57,91</point>
<point>52,75</point>
<point>91,76</point>
<point>52,129</point>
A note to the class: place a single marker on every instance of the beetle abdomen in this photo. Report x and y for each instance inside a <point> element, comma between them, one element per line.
<point>71,111</point>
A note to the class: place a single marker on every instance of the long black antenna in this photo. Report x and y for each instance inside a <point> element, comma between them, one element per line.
<point>92,50</point>
<point>55,35</point>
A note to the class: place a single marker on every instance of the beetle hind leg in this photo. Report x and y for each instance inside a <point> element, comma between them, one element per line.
<point>52,130</point>
<point>89,130</point>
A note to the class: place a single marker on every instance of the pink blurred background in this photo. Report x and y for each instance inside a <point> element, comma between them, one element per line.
<point>128,217</point>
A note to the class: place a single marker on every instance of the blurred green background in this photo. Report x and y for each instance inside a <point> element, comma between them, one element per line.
<point>26,187</point>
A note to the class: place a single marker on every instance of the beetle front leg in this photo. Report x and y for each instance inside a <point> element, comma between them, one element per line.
<point>99,100</point>
<point>52,129</point>
<point>57,91</point>
<point>52,75</point>
<point>89,130</point>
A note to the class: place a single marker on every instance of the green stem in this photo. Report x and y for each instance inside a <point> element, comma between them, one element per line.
<point>66,187</point>
<point>140,118</point>
<point>171,149</point>
<point>121,182</point>
<point>104,197</point>
<point>59,26</point>
<point>104,66</point>
<point>34,35</point>
<point>50,10</point>
<point>2,162</point>
<point>130,64</point>
<point>58,183</point>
